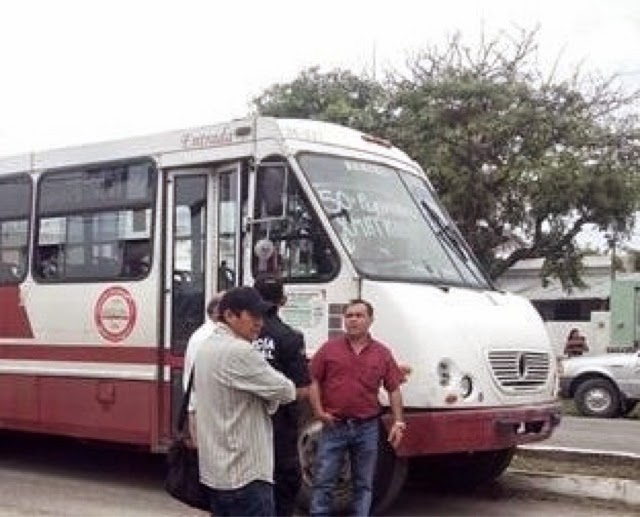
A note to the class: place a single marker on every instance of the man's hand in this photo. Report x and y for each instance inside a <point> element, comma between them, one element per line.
<point>326,418</point>
<point>406,371</point>
<point>396,433</point>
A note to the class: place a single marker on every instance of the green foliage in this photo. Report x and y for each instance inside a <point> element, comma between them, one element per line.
<point>522,162</point>
<point>337,96</point>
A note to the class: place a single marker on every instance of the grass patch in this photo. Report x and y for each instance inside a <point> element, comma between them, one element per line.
<point>569,407</point>
<point>558,462</point>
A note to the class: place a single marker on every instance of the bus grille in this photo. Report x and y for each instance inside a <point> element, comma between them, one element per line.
<point>517,371</point>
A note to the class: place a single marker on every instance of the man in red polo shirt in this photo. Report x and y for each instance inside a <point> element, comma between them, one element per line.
<point>346,376</point>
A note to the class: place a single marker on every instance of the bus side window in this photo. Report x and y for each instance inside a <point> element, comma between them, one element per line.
<point>8,272</point>
<point>288,239</point>
<point>95,223</point>
<point>226,276</point>
<point>136,258</point>
<point>48,262</point>
<point>271,189</point>
<point>15,212</point>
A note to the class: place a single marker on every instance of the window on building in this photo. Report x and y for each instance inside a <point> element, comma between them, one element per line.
<point>569,310</point>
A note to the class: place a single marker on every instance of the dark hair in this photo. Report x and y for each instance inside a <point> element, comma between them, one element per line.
<point>358,301</point>
<point>572,332</point>
<point>271,288</point>
<point>240,299</point>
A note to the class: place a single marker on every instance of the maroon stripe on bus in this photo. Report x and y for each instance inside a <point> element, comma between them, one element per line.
<point>97,354</point>
<point>14,322</point>
<point>118,410</point>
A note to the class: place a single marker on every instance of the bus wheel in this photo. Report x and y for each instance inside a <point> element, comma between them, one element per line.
<point>461,471</point>
<point>307,449</point>
<point>391,472</point>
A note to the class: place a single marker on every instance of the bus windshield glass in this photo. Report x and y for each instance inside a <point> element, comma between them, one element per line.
<point>390,222</point>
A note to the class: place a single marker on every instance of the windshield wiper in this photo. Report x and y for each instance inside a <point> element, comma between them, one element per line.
<point>446,231</point>
<point>342,213</point>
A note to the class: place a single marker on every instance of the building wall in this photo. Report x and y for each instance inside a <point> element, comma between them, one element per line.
<point>586,309</point>
<point>596,332</point>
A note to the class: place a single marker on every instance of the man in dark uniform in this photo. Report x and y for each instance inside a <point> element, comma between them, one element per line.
<point>284,348</point>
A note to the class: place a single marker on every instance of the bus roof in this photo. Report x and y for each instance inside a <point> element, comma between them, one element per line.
<point>296,135</point>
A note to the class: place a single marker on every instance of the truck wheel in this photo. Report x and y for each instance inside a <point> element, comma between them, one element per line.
<point>461,471</point>
<point>629,407</point>
<point>598,398</point>
<point>391,472</point>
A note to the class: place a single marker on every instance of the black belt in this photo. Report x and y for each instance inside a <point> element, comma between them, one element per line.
<point>355,420</point>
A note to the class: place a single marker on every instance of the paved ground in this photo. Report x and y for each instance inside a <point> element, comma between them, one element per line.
<point>619,435</point>
<point>46,477</point>
<point>591,458</point>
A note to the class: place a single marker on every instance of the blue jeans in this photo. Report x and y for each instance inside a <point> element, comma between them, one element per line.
<point>360,440</point>
<point>254,499</point>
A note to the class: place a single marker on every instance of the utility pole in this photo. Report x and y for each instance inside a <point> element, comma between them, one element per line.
<point>613,259</point>
<point>612,241</point>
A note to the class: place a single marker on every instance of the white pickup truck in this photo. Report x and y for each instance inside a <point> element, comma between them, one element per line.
<point>605,386</point>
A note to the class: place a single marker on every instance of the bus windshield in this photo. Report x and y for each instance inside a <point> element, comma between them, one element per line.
<point>390,222</point>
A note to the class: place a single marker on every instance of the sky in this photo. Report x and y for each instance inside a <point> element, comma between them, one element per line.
<point>78,71</point>
<point>83,71</point>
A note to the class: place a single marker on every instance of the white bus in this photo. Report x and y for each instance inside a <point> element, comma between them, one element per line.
<point>109,251</point>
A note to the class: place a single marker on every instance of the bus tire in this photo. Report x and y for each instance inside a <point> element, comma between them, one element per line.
<point>461,471</point>
<point>307,448</point>
<point>391,473</point>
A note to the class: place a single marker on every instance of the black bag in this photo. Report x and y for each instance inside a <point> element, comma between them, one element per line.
<point>183,473</point>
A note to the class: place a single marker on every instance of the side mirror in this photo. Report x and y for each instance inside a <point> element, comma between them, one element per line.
<point>271,191</point>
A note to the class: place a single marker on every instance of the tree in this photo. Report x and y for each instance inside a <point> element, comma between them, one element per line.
<point>336,96</point>
<point>522,162</point>
<point>516,154</point>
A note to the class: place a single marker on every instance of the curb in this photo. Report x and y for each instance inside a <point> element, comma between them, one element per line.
<point>626,491</point>
<point>579,452</point>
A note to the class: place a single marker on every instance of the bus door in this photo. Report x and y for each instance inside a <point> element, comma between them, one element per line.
<point>203,243</point>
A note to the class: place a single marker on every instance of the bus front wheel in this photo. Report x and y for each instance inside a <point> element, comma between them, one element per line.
<point>461,471</point>
<point>391,473</point>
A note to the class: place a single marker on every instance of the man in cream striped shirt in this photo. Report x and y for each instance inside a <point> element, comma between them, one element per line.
<point>237,392</point>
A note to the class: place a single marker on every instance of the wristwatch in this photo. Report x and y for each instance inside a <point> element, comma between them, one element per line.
<point>399,423</point>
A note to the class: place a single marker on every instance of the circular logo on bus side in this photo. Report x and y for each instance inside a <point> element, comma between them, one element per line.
<point>115,314</point>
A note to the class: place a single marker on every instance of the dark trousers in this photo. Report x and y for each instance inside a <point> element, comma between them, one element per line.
<point>287,475</point>
<point>254,499</point>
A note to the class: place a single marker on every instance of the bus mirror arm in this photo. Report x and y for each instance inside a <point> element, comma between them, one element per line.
<point>249,221</point>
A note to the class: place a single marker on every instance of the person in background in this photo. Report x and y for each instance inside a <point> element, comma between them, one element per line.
<point>284,348</point>
<point>576,344</point>
<point>237,392</point>
<point>346,376</point>
<point>201,334</point>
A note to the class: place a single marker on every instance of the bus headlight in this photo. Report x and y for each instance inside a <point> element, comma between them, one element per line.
<point>466,386</point>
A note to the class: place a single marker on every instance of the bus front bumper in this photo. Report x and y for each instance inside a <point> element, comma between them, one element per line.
<point>466,430</point>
